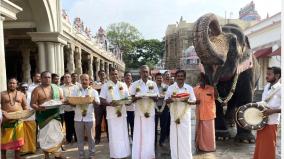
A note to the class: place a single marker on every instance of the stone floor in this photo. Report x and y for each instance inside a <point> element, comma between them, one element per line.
<point>225,150</point>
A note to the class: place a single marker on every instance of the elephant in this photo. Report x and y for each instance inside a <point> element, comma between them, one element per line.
<point>230,66</point>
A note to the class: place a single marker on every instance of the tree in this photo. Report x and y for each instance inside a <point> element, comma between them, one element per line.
<point>144,52</point>
<point>122,35</point>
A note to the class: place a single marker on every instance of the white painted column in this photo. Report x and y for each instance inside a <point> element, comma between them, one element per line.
<point>57,58</point>
<point>3,78</point>
<point>26,67</point>
<point>70,59</point>
<point>90,67</point>
<point>50,57</point>
<point>41,57</point>
<point>62,59</point>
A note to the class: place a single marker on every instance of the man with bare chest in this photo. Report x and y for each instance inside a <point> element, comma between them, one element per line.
<point>50,135</point>
<point>12,137</point>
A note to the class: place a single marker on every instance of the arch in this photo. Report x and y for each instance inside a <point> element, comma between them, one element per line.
<point>44,15</point>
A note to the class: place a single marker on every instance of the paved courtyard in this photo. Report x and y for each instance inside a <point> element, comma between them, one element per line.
<point>225,149</point>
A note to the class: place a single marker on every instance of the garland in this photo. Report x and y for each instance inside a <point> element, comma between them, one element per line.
<point>178,116</point>
<point>232,91</point>
<point>111,92</point>
<point>84,107</point>
<point>146,109</point>
<point>164,89</point>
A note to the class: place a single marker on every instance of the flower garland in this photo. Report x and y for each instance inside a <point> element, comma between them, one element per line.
<point>146,109</point>
<point>178,116</point>
<point>84,107</point>
<point>111,92</point>
<point>164,89</point>
<point>232,91</point>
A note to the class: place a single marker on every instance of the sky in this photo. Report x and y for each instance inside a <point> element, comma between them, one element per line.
<point>151,17</point>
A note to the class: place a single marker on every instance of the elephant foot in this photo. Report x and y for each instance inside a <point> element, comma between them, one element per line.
<point>245,137</point>
<point>222,135</point>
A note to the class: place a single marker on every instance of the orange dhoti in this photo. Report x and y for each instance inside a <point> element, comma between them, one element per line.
<point>205,135</point>
<point>266,143</point>
<point>12,135</point>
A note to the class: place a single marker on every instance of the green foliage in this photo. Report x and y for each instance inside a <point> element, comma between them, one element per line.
<point>136,51</point>
<point>122,34</point>
<point>144,52</point>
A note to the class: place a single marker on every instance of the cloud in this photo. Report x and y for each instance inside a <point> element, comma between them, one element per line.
<point>151,17</point>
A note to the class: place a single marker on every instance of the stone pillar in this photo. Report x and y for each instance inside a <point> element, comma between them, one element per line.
<point>41,57</point>
<point>50,57</point>
<point>97,63</point>
<point>106,68</point>
<point>62,60</point>
<point>70,58</point>
<point>26,67</point>
<point>102,65</point>
<point>90,66</point>
<point>78,58</point>
<point>3,78</point>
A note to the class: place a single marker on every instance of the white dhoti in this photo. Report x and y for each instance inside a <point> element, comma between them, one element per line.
<point>118,137</point>
<point>180,140</point>
<point>143,138</point>
<point>50,137</point>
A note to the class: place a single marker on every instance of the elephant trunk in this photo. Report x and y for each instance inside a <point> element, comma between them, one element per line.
<point>211,45</point>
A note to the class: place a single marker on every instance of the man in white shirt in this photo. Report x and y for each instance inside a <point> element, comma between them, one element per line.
<point>75,79</point>
<point>68,88</point>
<point>271,98</point>
<point>131,107</point>
<point>162,112</point>
<point>116,115</point>
<point>144,129</point>
<point>85,117</point>
<point>36,82</point>
<point>180,129</point>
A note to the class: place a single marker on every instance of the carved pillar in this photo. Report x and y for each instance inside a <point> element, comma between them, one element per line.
<point>90,66</point>
<point>106,68</point>
<point>97,63</point>
<point>26,67</point>
<point>78,60</point>
<point>102,65</point>
<point>70,58</point>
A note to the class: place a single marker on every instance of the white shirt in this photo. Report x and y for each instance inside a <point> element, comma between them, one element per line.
<point>162,91</point>
<point>32,87</point>
<point>120,91</point>
<point>90,116</point>
<point>144,89</point>
<point>67,92</point>
<point>130,107</point>
<point>274,102</point>
<point>180,107</point>
<point>29,94</point>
